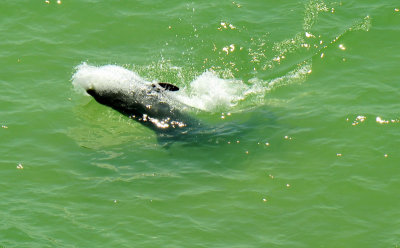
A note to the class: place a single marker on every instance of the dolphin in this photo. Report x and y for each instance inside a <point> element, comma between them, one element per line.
<point>150,105</point>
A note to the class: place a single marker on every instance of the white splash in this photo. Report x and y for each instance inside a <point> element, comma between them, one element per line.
<point>107,77</point>
<point>210,93</point>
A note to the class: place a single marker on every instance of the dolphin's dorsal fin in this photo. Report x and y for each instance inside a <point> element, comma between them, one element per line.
<point>168,86</point>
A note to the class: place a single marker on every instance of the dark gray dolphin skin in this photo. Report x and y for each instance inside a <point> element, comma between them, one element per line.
<point>149,106</point>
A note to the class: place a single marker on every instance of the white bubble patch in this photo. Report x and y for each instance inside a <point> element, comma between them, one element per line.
<point>210,93</point>
<point>106,78</point>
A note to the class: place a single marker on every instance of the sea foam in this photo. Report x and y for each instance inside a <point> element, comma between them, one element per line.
<point>106,78</point>
<point>210,93</point>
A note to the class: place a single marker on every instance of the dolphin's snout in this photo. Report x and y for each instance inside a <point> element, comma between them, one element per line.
<point>91,91</point>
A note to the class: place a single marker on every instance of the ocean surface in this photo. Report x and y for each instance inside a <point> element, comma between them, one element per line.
<point>301,101</point>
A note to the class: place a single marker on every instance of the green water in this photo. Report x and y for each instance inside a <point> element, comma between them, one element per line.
<point>313,161</point>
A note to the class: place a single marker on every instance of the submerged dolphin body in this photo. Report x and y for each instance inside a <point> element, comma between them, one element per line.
<point>149,105</point>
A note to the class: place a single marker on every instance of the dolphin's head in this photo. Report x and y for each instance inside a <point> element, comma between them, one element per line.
<point>125,102</point>
<point>147,100</point>
<point>123,90</point>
